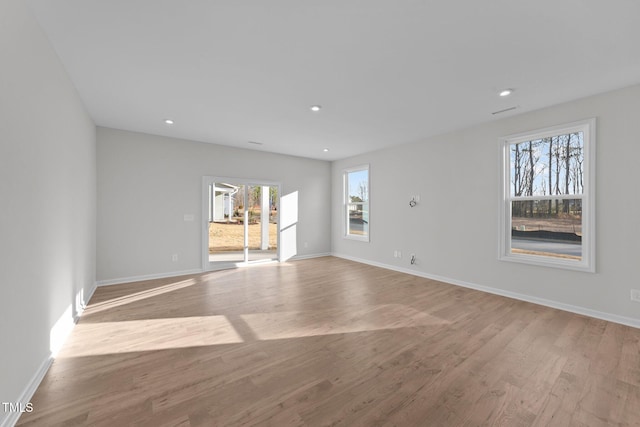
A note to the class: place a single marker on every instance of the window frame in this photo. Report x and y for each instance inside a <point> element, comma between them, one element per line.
<point>587,263</point>
<point>346,202</point>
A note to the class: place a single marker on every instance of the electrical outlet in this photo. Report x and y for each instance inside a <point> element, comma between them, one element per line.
<point>635,295</point>
<point>174,257</point>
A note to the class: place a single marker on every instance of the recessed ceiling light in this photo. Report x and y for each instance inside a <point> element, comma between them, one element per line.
<point>325,150</point>
<point>168,121</point>
<point>316,108</point>
<point>506,92</point>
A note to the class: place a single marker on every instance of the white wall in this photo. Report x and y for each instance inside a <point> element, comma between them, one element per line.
<point>47,200</point>
<point>454,230</point>
<point>147,183</point>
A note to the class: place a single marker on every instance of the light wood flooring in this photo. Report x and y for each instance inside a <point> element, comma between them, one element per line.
<point>329,342</point>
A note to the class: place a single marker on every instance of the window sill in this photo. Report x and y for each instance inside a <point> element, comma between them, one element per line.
<point>542,261</point>
<point>357,238</point>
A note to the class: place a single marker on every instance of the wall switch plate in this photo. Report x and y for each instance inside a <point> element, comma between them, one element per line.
<point>174,257</point>
<point>635,295</point>
<point>189,217</point>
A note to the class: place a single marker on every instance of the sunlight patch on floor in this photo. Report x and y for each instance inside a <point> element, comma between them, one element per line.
<point>296,324</point>
<point>102,338</point>
<point>91,339</point>
<point>137,296</point>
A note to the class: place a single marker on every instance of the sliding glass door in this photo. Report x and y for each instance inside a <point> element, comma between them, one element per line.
<point>241,222</point>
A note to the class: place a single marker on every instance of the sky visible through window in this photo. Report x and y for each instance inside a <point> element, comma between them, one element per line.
<point>359,185</point>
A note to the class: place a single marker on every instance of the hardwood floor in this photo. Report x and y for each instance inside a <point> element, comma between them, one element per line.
<point>329,342</point>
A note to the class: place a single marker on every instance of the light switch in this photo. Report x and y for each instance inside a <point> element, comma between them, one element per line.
<point>189,217</point>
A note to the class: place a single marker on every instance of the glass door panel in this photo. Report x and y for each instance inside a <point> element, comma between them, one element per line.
<point>226,231</point>
<point>262,222</point>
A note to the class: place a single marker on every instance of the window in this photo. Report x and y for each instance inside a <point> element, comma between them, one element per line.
<point>548,204</point>
<point>356,203</point>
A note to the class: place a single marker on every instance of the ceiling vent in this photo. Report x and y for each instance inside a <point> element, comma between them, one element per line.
<point>505,110</point>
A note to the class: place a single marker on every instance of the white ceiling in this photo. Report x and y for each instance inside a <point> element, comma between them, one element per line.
<point>385,71</point>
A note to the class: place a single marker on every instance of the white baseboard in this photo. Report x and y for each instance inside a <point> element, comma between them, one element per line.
<point>87,298</point>
<point>122,280</point>
<point>623,320</point>
<point>11,418</point>
<point>299,257</point>
<point>131,279</point>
